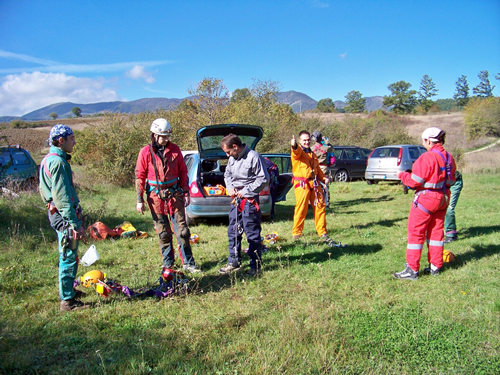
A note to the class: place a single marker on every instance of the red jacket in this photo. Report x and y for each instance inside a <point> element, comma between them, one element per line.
<point>429,171</point>
<point>172,170</point>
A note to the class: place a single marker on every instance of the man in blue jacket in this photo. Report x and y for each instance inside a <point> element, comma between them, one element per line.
<point>245,177</point>
<point>59,195</point>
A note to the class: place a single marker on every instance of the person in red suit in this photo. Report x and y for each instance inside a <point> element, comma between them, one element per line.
<point>432,175</point>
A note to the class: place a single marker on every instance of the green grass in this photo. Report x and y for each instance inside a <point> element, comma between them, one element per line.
<point>314,310</point>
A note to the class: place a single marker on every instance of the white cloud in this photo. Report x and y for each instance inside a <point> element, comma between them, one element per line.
<point>26,92</point>
<point>138,72</point>
<point>57,67</point>
<point>320,4</point>
<point>344,55</point>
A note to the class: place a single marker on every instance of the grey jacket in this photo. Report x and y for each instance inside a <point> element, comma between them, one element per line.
<point>247,173</point>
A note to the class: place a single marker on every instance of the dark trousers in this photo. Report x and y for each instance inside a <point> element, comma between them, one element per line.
<point>181,231</point>
<point>247,221</point>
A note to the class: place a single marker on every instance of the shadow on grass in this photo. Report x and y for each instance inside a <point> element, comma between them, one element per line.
<point>478,231</point>
<point>274,259</point>
<point>476,254</point>
<point>352,202</point>
<point>382,223</point>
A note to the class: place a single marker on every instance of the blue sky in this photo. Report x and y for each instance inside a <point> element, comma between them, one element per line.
<point>90,51</point>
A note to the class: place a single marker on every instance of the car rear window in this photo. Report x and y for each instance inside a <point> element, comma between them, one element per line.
<point>20,158</point>
<point>4,158</point>
<point>351,154</point>
<point>386,152</point>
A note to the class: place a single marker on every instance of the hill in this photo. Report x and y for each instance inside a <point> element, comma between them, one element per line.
<point>299,102</point>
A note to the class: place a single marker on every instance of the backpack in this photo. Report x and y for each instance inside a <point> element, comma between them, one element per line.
<point>273,171</point>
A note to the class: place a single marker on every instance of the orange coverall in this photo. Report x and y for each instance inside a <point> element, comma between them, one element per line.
<point>305,167</point>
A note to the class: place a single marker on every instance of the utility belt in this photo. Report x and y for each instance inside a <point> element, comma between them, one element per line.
<point>418,205</point>
<point>240,203</point>
<point>166,190</point>
<point>303,182</point>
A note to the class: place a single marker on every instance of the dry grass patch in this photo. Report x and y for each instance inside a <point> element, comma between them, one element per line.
<point>487,161</point>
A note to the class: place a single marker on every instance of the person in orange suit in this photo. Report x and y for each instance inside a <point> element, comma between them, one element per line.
<point>432,175</point>
<point>307,176</point>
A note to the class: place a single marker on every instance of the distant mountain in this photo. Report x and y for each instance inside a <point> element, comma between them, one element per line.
<point>298,101</point>
<point>372,103</point>
<point>64,110</point>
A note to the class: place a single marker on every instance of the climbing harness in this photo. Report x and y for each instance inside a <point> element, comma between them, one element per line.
<point>170,283</point>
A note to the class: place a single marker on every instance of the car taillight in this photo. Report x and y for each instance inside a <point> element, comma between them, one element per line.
<point>266,191</point>
<point>400,156</point>
<point>194,191</point>
<point>369,156</point>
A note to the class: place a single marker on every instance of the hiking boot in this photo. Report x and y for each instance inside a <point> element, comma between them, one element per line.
<point>407,273</point>
<point>228,269</point>
<point>191,268</point>
<point>73,304</point>
<point>253,272</point>
<point>433,272</point>
<point>449,239</point>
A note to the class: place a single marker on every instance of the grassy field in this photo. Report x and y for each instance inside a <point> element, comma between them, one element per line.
<point>314,310</point>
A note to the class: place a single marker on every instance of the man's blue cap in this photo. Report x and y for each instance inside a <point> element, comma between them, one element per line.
<point>59,131</point>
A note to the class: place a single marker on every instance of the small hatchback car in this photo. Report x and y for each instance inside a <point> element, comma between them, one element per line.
<point>17,166</point>
<point>350,163</point>
<point>206,169</point>
<point>386,162</point>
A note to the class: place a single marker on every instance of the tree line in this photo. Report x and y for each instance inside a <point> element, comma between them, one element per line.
<point>403,99</point>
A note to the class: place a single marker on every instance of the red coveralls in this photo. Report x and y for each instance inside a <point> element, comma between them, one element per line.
<point>172,174</point>
<point>426,219</point>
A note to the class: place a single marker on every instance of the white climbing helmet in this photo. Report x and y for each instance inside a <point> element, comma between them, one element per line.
<point>161,126</point>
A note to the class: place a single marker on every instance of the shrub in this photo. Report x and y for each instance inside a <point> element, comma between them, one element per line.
<point>109,150</point>
<point>379,129</point>
<point>482,117</point>
<point>18,124</point>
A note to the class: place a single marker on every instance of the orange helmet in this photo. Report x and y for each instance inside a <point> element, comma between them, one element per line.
<point>448,256</point>
<point>91,278</point>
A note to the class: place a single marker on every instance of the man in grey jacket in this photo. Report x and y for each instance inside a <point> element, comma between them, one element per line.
<point>245,177</point>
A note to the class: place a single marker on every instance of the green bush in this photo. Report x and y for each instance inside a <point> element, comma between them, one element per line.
<point>18,124</point>
<point>109,150</point>
<point>482,117</point>
<point>379,129</point>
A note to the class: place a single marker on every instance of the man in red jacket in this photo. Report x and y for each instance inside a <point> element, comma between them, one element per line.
<point>432,175</point>
<point>162,174</point>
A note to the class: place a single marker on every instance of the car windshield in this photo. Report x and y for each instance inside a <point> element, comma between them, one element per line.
<point>211,144</point>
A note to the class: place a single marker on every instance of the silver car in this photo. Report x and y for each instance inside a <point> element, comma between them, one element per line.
<point>207,165</point>
<point>386,162</point>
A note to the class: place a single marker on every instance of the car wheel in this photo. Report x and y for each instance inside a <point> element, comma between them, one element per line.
<point>342,176</point>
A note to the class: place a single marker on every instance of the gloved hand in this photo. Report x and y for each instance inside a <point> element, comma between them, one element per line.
<point>79,234</point>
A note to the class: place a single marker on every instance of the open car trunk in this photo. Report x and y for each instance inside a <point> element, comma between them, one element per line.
<point>211,177</point>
